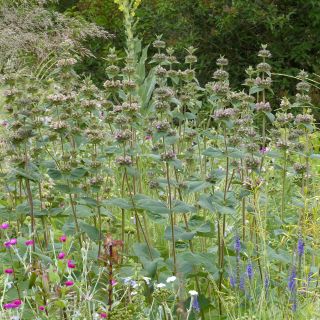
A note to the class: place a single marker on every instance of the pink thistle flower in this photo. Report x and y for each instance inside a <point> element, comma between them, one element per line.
<point>8,271</point>
<point>10,243</point>
<point>7,244</point>
<point>103,315</point>
<point>13,304</point>
<point>61,255</point>
<point>63,238</point>
<point>4,226</point>
<point>69,283</point>
<point>42,308</point>
<point>29,242</point>
<point>13,241</point>
<point>71,264</point>
<point>17,303</point>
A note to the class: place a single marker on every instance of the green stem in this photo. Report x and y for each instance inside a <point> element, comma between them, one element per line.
<point>171,220</point>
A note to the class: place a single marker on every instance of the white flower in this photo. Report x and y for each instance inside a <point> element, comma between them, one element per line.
<point>171,279</point>
<point>160,285</point>
<point>193,293</point>
<point>96,316</point>
<point>133,293</point>
<point>146,279</point>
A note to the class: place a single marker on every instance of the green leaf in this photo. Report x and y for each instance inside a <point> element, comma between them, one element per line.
<point>55,174</point>
<point>270,116</point>
<point>182,207</point>
<point>152,205</point>
<point>91,231</point>
<point>255,89</point>
<point>78,173</point>
<point>82,211</point>
<point>33,176</point>
<point>196,186</point>
<point>205,202</point>
<point>141,250</point>
<point>119,202</point>
<point>213,152</point>
<point>146,89</point>
<point>179,234</point>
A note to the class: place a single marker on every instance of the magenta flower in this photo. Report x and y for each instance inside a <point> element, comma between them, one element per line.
<point>7,244</point>
<point>103,315</point>
<point>17,303</point>
<point>10,243</point>
<point>13,241</point>
<point>63,238</point>
<point>8,271</point>
<point>113,282</point>
<point>4,226</point>
<point>61,255</point>
<point>71,264</point>
<point>69,283</point>
<point>29,242</point>
<point>13,304</point>
<point>42,308</point>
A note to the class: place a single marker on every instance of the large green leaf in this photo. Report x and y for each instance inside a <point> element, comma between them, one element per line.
<point>91,231</point>
<point>179,234</point>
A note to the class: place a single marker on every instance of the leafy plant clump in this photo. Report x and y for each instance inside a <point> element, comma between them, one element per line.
<point>151,197</point>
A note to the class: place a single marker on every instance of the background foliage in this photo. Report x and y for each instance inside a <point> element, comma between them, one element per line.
<point>290,27</point>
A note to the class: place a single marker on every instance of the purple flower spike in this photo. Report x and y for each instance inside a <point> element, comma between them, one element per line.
<point>300,247</point>
<point>195,304</point>
<point>292,280</point>
<point>237,244</point>
<point>250,271</point>
<point>232,282</point>
<point>242,284</point>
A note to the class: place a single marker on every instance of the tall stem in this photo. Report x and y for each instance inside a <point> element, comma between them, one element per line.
<point>171,220</point>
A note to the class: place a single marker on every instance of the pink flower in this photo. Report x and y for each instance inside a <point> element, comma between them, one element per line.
<point>17,303</point>
<point>264,150</point>
<point>63,238</point>
<point>41,308</point>
<point>61,255</point>
<point>113,282</point>
<point>69,283</point>
<point>29,242</point>
<point>71,264</point>
<point>8,271</point>
<point>4,226</point>
<point>148,137</point>
<point>13,241</point>
<point>13,304</point>
<point>103,315</point>
<point>10,243</point>
<point>7,244</point>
